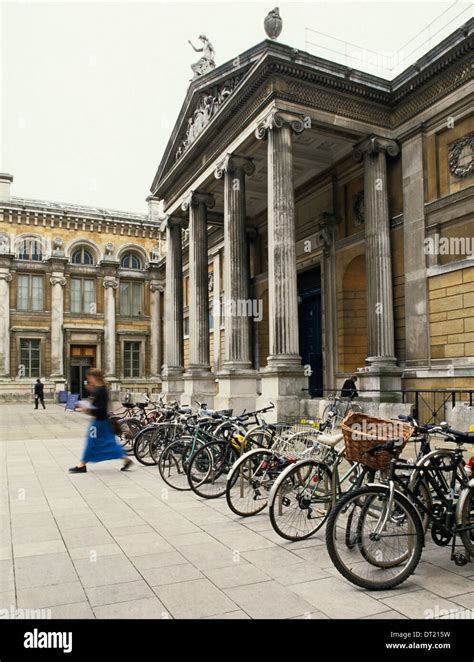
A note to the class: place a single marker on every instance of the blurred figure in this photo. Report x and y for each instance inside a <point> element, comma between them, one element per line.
<point>39,393</point>
<point>349,388</point>
<point>101,443</point>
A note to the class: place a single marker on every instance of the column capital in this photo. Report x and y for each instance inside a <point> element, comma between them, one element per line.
<point>232,163</point>
<point>276,119</point>
<point>197,198</point>
<point>110,282</point>
<point>5,276</point>
<point>156,287</point>
<point>57,280</point>
<point>375,145</point>
<point>169,221</point>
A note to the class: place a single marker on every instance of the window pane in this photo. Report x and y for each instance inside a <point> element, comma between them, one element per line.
<point>125,298</point>
<point>89,296</point>
<point>36,253</point>
<point>135,359</point>
<point>76,295</point>
<point>136,299</point>
<point>37,293</point>
<point>87,258</point>
<point>22,294</point>
<point>30,357</point>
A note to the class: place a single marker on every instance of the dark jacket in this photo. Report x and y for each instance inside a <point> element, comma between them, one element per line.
<point>100,401</point>
<point>39,389</point>
<point>349,389</point>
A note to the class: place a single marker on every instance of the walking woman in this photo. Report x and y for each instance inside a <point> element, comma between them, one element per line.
<point>100,443</point>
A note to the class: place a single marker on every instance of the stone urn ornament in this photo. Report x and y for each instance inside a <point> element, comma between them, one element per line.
<point>273,23</point>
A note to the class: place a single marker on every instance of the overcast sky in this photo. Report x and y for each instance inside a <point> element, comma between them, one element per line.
<point>90,91</point>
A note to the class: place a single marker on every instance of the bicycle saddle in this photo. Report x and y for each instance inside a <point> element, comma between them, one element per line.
<point>142,405</point>
<point>128,405</point>
<point>330,439</point>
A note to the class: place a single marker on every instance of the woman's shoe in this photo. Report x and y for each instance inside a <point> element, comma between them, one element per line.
<point>127,465</point>
<point>78,470</point>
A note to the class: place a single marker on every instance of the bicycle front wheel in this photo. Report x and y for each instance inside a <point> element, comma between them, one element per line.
<point>300,500</point>
<point>209,467</point>
<point>173,463</point>
<point>375,542</point>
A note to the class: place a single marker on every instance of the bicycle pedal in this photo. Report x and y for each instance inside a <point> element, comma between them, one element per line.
<point>459,559</point>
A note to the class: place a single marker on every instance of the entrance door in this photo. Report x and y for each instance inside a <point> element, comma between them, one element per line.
<point>310,328</point>
<point>82,359</point>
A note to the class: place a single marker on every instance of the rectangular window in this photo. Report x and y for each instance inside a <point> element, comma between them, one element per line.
<point>29,357</point>
<point>131,299</point>
<point>82,295</point>
<point>131,359</point>
<point>30,293</point>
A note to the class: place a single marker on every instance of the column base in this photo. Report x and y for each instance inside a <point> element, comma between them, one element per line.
<point>172,384</point>
<point>200,386</point>
<point>59,382</point>
<point>237,390</point>
<point>282,386</point>
<point>381,381</point>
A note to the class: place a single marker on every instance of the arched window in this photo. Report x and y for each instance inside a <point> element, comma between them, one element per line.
<point>131,261</point>
<point>82,256</point>
<point>30,248</point>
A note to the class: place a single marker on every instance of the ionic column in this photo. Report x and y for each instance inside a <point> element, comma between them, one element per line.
<point>155,328</point>
<point>58,282</point>
<point>278,128</point>
<point>5,280</point>
<point>237,351</point>
<point>173,327</point>
<point>110,284</point>
<point>198,203</point>
<point>381,344</point>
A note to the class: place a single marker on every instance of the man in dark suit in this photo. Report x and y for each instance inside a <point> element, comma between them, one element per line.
<point>349,389</point>
<point>39,393</point>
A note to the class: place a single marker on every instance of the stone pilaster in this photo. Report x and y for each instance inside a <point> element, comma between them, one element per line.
<point>58,282</point>
<point>199,382</point>
<point>110,284</point>
<point>283,379</point>
<point>156,288</point>
<point>381,377</point>
<point>237,380</point>
<point>217,310</point>
<point>172,371</point>
<point>5,280</point>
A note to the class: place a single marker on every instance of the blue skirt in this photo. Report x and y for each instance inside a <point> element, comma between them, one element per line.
<point>101,443</point>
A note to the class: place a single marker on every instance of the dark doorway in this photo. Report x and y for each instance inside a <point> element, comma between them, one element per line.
<point>82,359</point>
<point>310,328</point>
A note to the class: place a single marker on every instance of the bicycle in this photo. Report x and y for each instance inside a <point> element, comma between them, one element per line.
<point>375,534</point>
<point>336,411</point>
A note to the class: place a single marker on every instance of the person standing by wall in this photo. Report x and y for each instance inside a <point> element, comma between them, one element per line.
<point>39,393</point>
<point>101,443</point>
<point>349,388</point>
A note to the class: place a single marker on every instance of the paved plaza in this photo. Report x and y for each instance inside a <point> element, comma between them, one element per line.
<point>110,544</point>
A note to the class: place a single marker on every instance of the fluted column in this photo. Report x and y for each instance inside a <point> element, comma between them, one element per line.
<point>110,284</point>
<point>237,351</point>
<point>155,328</point>
<point>278,128</point>
<point>198,203</point>
<point>5,280</point>
<point>173,328</point>
<point>58,282</point>
<point>381,344</point>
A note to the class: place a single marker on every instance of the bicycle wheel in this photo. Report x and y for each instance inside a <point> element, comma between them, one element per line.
<point>129,428</point>
<point>173,463</point>
<point>209,467</point>
<point>142,444</point>
<point>250,480</point>
<point>165,434</point>
<point>385,537</point>
<point>331,418</point>
<point>465,519</point>
<point>300,499</point>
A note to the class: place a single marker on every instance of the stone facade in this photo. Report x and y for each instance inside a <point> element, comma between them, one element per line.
<point>325,235</point>
<point>80,287</point>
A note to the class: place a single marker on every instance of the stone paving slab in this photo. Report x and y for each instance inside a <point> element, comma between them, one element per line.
<point>109,544</point>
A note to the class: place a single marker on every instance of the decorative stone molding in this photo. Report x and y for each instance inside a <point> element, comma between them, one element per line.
<point>375,145</point>
<point>277,119</point>
<point>210,281</point>
<point>109,248</point>
<point>358,208</point>
<point>110,283</point>
<point>155,287</point>
<point>198,198</point>
<point>57,280</point>
<point>233,163</point>
<point>6,277</point>
<point>461,156</point>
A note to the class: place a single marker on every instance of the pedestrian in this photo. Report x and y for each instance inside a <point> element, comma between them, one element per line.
<point>349,388</point>
<point>101,443</point>
<point>39,393</point>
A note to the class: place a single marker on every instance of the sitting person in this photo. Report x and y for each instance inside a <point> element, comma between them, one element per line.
<point>349,389</point>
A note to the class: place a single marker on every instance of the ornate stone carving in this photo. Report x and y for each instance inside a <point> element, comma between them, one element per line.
<point>206,61</point>
<point>57,280</point>
<point>374,145</point>
<point>110,283</point>
<point>461,156</point>
<point>207,106</point>
<point>4,243</point>
<point>109,248</point>
<point>273,23</point>
<point>358,208</point>
<point>57,243</point>
<point>155,287</point>
<point>276,119</point>
<point>234,163</point>
<point>198,198</point>
<point>210,281</point>
<point>6,277</point>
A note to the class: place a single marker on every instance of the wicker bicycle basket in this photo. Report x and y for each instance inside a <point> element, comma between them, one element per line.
<point>362,432</point>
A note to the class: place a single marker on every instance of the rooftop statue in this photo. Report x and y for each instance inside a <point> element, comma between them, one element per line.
<point>206,61</point>
<point>273,23</point>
